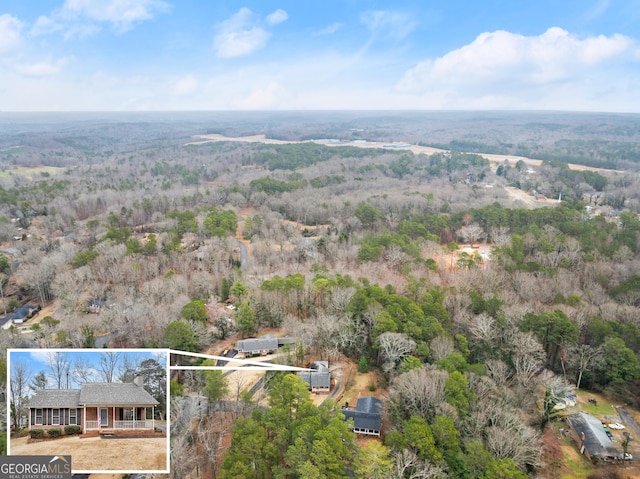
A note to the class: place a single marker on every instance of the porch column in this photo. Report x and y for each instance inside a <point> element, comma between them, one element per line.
<point>153,417</point>
<point>84,422</point>
<point>28,418</point>
<point>113,418</point>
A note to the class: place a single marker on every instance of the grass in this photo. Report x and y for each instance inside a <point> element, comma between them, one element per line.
<point>603,408</point>
<point>31,172</point>
<point>579,466</point>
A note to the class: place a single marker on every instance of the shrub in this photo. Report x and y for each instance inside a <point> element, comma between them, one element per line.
<point>36,433</point>
<point>363,365</point>
<point>54,432</point>
<point>71,430</point>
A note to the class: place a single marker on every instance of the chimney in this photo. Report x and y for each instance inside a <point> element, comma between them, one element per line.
<point>139,381</point>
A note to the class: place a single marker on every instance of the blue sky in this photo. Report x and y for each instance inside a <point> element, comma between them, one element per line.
<point>37,360</point>
<point>91,55</point>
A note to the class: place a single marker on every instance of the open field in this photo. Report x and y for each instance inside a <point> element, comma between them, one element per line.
<point>416,149</point>
<point>97,454</point>
<point>31,173</point>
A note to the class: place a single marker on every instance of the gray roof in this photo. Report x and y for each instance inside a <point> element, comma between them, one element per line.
<point>595,440</point>
<point>316,378</point>
<point>369,404</point>
<point>257,344</point>
<point>319,377</point>
<point>55,398</point>
<point>367,415</point>
<point>114,394</point>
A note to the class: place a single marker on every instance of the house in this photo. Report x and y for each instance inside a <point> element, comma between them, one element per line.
<point>20,315</point>
<point>96,305</point>
<point>253,346</point>
<point>367,416</point>
<point>592,438</point>
<point>319,378</point>
<point>264,345</point>
<point>94,407</point>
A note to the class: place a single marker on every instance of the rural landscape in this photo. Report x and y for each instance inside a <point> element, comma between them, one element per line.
<point>463,286</point>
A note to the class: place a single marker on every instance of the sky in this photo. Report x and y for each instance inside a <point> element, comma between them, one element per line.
<point>158,55</point>
<point>38,360</point>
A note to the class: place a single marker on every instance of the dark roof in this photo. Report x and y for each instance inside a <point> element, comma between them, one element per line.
<point>364,420</point>
<point>595,440</point>
<point>22,312</point>
<point>370,404</point>
<point>316,378</point>
<point>55,398</point>
<point>367,415</point>
<point>114,394</point>
<point>319,377</point>
<point>257,344</point>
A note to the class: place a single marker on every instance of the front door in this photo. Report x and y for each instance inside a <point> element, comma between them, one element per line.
<point>104,417</point>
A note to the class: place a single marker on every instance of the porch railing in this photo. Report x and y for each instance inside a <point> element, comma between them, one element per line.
<point>133,424</point>
<point>91,425</point>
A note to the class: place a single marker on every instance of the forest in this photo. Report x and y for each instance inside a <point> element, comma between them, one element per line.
<point>478,292</point>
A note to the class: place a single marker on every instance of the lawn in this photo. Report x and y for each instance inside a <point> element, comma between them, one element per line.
<point>97,454</point>
<point>603,408</point>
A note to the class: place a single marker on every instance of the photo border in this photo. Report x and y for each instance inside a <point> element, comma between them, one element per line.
<point>165,351</point>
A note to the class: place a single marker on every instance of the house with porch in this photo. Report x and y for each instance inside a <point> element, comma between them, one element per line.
<point>101,407</point>
<point>318,378</point>
<point>367,416</point>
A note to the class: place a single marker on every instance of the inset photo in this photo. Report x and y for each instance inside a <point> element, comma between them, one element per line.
<point>106,408</point>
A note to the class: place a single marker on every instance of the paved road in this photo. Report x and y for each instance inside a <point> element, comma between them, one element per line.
<point>243,255</point>
<point>629,422</point>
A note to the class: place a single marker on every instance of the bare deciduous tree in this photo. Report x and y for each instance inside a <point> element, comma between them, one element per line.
<point>440,347</point>
<point>109,365</point>
<point>393,348</point>
<point>582,358</point>
<point>471,234</point>
<point>418,392</point>
<point>499,235</point>
<point>19,383</point>
<point>407,465</point>
<point>60,368</point>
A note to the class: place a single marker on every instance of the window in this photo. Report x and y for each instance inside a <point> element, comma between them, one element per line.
<point>39,417</point>
<point>128,414</point>
<point>56,417</point>
<point>73,417</point>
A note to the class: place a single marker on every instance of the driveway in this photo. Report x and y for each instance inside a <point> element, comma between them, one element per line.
<point>629,422</point>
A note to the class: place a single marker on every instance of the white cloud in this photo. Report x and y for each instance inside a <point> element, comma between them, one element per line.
<point>40,69</point>
<point>81,18</point>
<point>501,63</point>
<point>185,86</point>
<point>45,25</point>
<point>330,29</point>
<point>263,98</point>
<point>276,17</point>
<point>239,35</point>
<point>10,32</point>
<point>41,356</point>
<point>385,23</point>
<point>122,14</point>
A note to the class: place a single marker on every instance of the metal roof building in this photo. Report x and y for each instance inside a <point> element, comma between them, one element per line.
<point>592,439</point>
